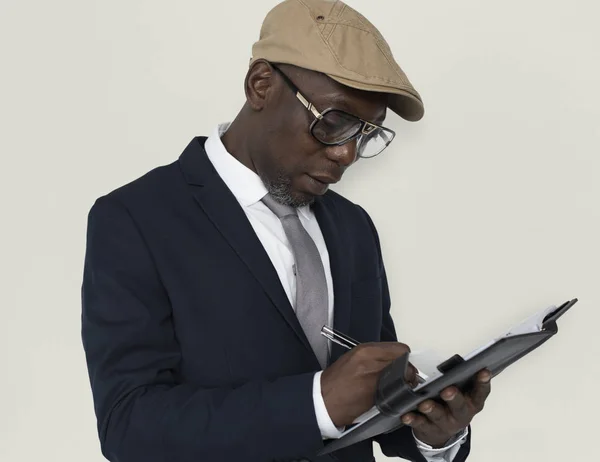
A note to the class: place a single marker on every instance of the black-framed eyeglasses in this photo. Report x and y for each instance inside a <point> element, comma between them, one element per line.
<point>334,127</point>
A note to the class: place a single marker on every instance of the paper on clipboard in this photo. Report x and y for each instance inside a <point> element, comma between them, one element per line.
<point>528,326</point>
<point>427,361</point>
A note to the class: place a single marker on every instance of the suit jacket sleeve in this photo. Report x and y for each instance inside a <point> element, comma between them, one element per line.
<point>400,443</point>
<point>144,411</point>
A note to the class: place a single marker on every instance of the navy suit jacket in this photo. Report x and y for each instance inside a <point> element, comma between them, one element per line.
<point>193,350</point>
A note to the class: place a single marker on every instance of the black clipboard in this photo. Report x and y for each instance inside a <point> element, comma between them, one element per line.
<point>395,397</point>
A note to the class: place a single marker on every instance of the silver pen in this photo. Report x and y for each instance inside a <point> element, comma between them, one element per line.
<point>349,343</point>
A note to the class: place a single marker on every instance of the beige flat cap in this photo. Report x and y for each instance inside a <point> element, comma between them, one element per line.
<point>330,37</point>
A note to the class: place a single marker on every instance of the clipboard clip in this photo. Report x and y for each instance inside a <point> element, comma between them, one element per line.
<point>549,322</point>
<point>450,364</point>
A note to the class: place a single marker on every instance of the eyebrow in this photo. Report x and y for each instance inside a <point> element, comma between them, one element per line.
<point>340,101</point>
<point>336,101</point>
<point>338,104</point>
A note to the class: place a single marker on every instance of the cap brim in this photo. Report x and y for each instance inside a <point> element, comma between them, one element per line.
<point>405,104</point>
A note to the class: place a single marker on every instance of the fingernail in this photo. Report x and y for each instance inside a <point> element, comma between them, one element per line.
<point>485,378</point>
<point>449,396</point>
<point>407,420</point>
<point>427,409</point>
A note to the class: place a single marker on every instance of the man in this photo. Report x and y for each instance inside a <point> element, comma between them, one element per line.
<point>207,281</point>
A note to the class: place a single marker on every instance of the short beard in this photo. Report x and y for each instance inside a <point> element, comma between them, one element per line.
<point>281,190</point>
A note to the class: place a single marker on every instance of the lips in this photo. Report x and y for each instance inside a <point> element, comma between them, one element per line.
<point>325,179</point>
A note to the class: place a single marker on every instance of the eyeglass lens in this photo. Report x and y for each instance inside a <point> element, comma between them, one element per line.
<point>337,127</point>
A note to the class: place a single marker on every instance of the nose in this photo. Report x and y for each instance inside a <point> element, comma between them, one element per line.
<point>344,155</point>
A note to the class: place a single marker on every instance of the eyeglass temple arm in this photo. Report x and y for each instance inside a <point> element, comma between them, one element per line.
<point>308,105</point>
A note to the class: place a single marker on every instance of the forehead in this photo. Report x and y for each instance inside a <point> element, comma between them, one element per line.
<point>325,93</point>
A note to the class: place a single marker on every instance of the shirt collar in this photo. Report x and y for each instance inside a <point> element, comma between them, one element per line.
<point>246,185</point>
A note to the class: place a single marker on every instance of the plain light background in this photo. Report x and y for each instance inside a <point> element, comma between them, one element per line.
<point>488,209</point>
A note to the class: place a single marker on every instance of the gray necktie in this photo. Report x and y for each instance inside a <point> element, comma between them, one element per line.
<point>311,285</point>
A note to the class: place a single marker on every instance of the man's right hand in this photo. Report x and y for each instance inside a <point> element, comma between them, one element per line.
<point>348,385</point>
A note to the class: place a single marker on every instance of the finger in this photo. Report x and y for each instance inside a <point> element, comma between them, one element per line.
<point>377,352</point>
<point>481,389</point>
<point>418,422</point>
<point>411,375</point>
<point>366,364</point>
<point>457,404</point>
<point>407,419</point>
<point>436,413</point>
<point>384,353</point>
<point>391,350</point>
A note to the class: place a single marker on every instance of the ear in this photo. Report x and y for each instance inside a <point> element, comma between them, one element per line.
<point>259,84</point>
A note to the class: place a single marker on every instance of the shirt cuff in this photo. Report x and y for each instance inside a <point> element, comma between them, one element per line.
<point>446,453</point>
<point>327,427</point>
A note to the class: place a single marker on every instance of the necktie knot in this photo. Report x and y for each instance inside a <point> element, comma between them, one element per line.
<point>278,209</point>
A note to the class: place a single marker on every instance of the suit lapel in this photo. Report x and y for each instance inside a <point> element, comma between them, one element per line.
<point>224,211</point>
<point>327,216</point>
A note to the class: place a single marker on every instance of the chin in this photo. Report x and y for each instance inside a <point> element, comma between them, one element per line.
<point>302,199</point>
<point>292,198</point>
<point>284,191</point>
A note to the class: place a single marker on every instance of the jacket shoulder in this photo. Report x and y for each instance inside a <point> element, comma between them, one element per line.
<point>153,186</point>
<point>346,208</point>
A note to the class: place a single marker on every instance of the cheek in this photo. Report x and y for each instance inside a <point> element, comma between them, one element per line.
<point>294,154</point>
<point>293,131</point>
<point>292,149</point>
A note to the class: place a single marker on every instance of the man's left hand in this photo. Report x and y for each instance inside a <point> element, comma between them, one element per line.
<point>439,422</point>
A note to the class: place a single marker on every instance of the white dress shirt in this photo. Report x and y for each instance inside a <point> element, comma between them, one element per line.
<point>248,189</point>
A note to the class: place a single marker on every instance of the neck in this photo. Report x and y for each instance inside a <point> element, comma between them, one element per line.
<point>239,141</point>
